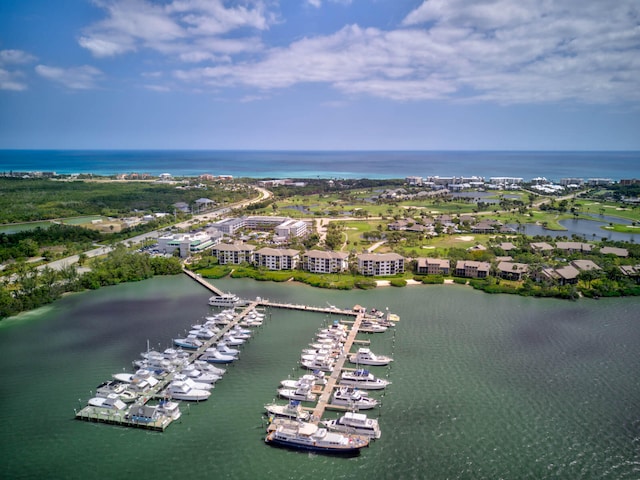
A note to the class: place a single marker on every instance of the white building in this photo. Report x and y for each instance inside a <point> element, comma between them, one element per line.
<point>233,254</point>
<point>187,243</point>
<point>380,264</point>
<point>317,261</point>
<point>276,258</point>
<point>291,228</point>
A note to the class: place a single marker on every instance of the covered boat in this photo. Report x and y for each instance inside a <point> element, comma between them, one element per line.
<point>310,437</point>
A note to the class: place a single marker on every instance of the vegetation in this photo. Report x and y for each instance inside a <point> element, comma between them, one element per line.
<point>34,288</point>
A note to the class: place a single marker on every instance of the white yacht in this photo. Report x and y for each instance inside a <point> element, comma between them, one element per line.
<point>293,409</point>
<point>212,355</point>
<point>191,342</point>
<point>302,393</point>
<point>225,300</point>
<point>223,348</point>
<point>357,423</point>
<point>310,437</point>
<point>198,375</point>
<point>363,379</point>
<point>364,356</point>
<point>182,391</point>
<point>319,362</point>
<point>353,398</point>
<point>317,378</point>
<point>181,377</point>
<point>206,367</point>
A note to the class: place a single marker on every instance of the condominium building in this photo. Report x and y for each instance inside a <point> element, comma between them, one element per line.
<point>233,254</point>
<point>472,269</point>
<point>380,264</point>
<point>432,266</point>
<point>276,258</point>
<point>317,261</point>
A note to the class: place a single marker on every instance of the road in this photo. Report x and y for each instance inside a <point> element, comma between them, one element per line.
<point>208,216</point>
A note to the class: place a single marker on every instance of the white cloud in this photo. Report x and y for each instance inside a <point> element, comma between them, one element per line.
<point>174,28</point>
<point>505,51</point>
<point>76,78</point>
<point>13,80</point>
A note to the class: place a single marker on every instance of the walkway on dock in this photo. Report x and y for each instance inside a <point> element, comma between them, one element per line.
<point>203,282</point>
<point>96,414</point>
<point>325,396</point>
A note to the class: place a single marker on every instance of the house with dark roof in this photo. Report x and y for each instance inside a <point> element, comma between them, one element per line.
<point>512,270</point>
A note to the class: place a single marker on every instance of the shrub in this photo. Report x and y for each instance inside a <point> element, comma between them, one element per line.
<point>398,282</point>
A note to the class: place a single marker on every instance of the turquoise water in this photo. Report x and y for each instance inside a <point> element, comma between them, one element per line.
<point>329,164</point>
<point>484,387</point>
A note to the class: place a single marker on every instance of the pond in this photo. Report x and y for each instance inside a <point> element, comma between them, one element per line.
<point>587,229</point>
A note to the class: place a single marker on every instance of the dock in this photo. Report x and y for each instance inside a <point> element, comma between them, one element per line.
<point>113,417</point>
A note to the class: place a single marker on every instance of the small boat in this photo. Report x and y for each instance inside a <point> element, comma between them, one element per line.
<point>310,437</point>
<point>302,393</point>
<point>364,356</point>
<point>353,398</point>
<point>293,409</point>
<point>111,402</point>
<point>225,300</point>
<point>357,423</point>
<point>182,391</point>
<point>191,342</point>
<point>363,379</point>
<point>212,355</point>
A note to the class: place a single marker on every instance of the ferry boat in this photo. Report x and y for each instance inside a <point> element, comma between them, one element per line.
<point>225,300</point>
<point>357,423</point>
<point>310,437</point>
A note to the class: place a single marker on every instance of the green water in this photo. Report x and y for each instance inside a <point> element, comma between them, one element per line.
<point>484,387</point>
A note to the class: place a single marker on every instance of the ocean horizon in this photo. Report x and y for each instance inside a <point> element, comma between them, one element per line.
<point>348,164</point>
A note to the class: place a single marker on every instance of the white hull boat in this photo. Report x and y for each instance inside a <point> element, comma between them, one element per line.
<point>293,410</point>
<point>356,423</point>
<point>353,398</point>
<point>363,379</point>
<point>181,391</point>
<point>364,356</point>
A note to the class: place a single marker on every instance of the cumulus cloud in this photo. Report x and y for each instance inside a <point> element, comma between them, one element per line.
<point>505,51</point>
<point>176,28</point>
<point>75,78</point>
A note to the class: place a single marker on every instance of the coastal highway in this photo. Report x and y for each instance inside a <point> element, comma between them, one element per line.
<point>208,216</point>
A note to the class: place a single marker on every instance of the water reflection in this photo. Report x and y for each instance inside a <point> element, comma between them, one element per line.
<point>587,229</point>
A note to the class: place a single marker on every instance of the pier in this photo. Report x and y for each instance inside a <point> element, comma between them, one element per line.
<point>117,417</point>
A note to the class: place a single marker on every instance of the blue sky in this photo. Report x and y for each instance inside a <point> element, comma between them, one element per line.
<point>320,74</point>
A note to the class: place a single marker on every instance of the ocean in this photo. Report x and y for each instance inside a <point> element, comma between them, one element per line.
<point>484,387</point>
<point>329,164</point>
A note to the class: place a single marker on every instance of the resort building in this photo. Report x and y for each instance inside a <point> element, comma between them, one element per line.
<point>570,247</point>
<point>512,271</point>
<point>282,226</point>
<point>317,261</point>
<point>187,243</point>
<point>380,264</point>
<point>432,266</point>
<point>291,229</point>
<point>233,254</point>
<point>472,269</point>
<point>618,252</point>
<point>276,258</point>
<point>585,265</point>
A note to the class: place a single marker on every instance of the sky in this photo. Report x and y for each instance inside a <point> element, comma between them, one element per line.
<point>320,74</point>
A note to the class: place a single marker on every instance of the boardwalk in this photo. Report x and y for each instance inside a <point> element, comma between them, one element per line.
<point>203,282</point>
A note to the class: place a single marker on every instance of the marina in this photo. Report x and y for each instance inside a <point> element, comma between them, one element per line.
<point>213,347</point>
